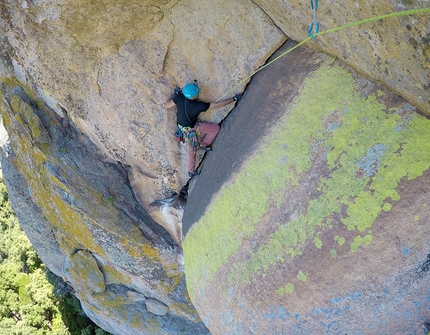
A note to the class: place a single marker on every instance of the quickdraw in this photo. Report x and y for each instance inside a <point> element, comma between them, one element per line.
<point>315,21</point>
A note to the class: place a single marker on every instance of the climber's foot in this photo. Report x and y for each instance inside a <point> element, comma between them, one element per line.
<point>193,173</point>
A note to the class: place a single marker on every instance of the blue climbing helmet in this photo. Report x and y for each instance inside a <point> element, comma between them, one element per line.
<point>190,91</point>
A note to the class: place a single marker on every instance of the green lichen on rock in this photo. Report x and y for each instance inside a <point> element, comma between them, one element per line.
<point>367,149</point>
<point>289,288</point>
<point>285,289</point>
<point>340,240</point>
<point>358,240</point>
<point>318,242</point>
<point>386,207</point>
<point>76,225</point>
<point>85,267</point>
<point>302,276</point>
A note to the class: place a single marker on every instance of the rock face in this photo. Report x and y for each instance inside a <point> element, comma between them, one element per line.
<point>87,226</point>
<point>111,65</point>
<point>318,223</point>
<point>394,51</point>
<point>93,169</point>
<point>92,147</point>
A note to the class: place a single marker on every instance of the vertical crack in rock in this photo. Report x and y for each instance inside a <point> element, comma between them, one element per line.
<point>269,17</point>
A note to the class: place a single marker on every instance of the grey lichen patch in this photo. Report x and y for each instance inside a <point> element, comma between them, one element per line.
<point>370,162</point>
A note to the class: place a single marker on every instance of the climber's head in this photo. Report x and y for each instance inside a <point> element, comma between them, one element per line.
<point>191,91</point>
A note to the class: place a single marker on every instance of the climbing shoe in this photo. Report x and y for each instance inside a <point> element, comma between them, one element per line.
<point>206,148</point>
<point>193,174</point>
<point>237,97</point>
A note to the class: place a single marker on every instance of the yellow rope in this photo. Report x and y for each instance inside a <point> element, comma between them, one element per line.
<point>357,23</point>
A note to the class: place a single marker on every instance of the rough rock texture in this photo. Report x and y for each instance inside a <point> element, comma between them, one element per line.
<point>113,64</point>
<point>95,194</point>
<point>394,51</point>
<point>317,220</point>
<point>87,226</point>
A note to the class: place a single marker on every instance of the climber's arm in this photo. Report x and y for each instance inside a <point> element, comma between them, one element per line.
<point>169,104</point>
<point>225,102</point>
<point>221,103</point>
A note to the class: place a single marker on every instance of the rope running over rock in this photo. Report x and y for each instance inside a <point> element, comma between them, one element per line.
<point>349,25</point>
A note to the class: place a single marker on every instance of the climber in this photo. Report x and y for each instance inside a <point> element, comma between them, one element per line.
<point>195,134</point>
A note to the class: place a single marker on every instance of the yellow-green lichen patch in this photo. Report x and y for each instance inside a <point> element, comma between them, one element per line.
<point>358,240</point>
<point>184,310</point>
<point>30,158</point>
<point>280,291</point>
<point>365,152</point>
<point>70,223</point>
<point>285,290</point>
<point>351,148</point>
<point>386,207</point>
<point>302,276</point>
<point>113,276</point>
<point>339,240</point>
<point>289,288</point>
<point>85,270</point>
<point>318,242</point>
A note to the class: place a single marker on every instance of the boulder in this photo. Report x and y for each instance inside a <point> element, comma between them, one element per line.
<point>156,307</point>
<point>85,274</point>
<point>316,220</point>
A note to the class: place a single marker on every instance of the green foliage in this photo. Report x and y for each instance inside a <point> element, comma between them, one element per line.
<point>73,316</point>
<point>31,303</point>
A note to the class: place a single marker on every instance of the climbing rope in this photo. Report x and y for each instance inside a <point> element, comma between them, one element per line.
<point>349,25</point>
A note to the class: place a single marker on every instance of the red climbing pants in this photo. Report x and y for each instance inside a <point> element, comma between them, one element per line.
<point>207,133</point>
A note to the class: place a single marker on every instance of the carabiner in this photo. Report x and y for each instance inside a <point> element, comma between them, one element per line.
<point>317,28</point>
<point>312,5</point>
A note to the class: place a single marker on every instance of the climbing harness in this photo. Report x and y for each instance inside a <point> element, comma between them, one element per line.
<point>188,136</point>
<point>315,21</point>
<point>357,23</point>
<point>192,140</point>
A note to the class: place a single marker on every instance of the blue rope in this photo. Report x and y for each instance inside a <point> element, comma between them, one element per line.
<point>315,21</point>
